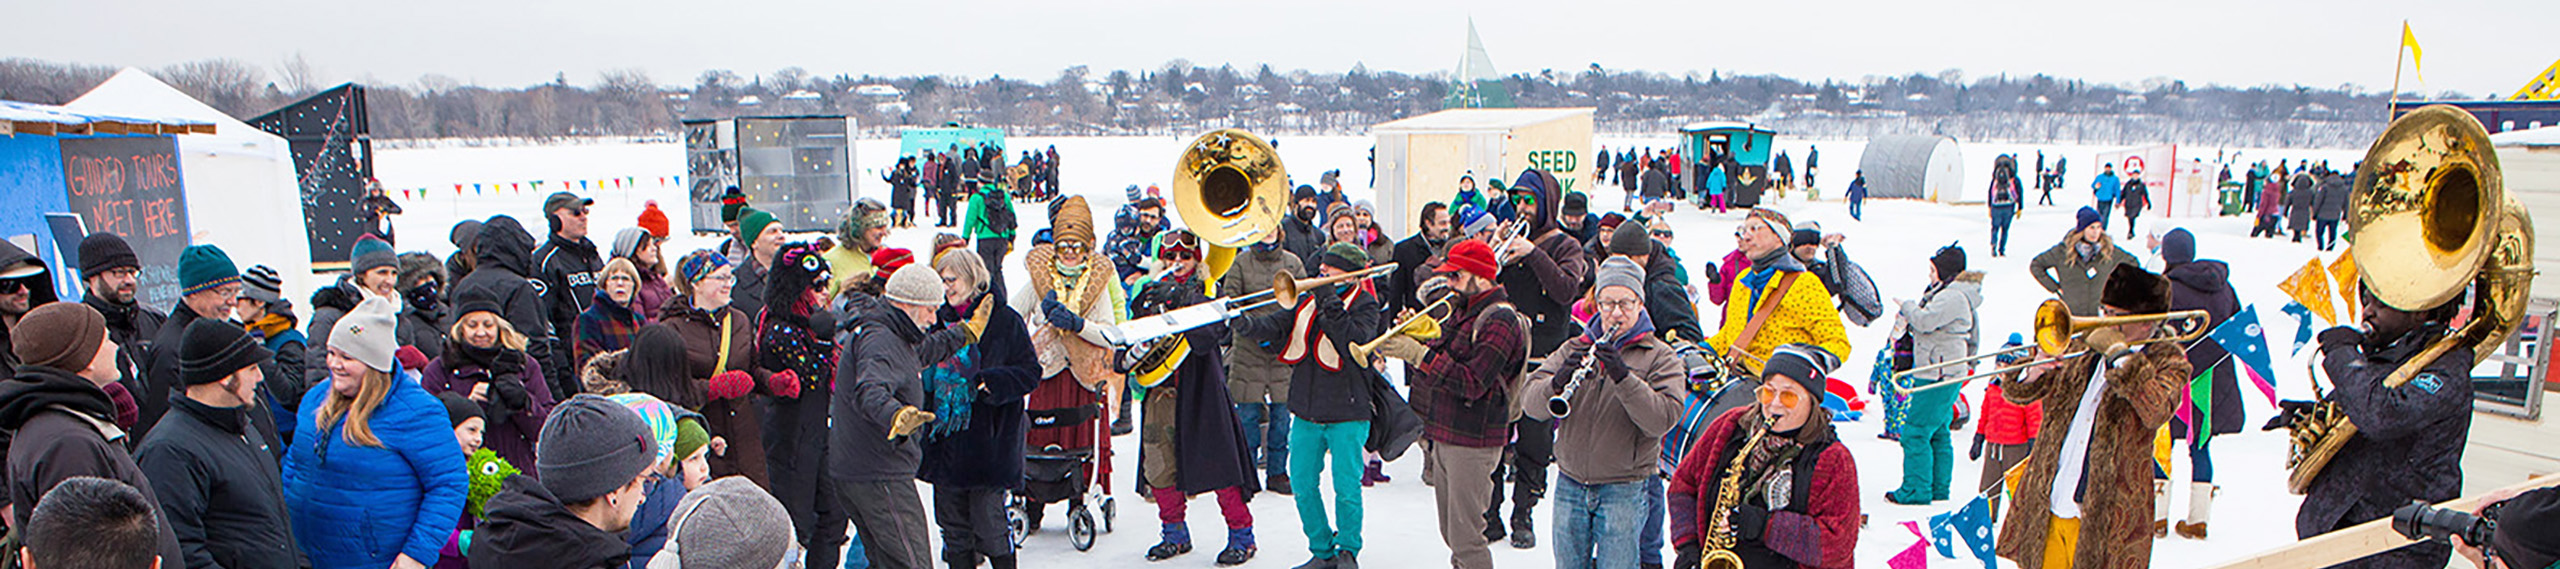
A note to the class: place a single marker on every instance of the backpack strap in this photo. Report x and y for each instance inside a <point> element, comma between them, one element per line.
<point>723,363</point>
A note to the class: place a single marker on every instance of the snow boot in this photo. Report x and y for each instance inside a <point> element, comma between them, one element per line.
<point>1277,484</point>
<point>1523,534</point>
<point>2159,508</point>
<point>1373,476</point>
<point>1318,563</point>
<point>1346,560</point>
<point>961,559</point>
<point>1177,541</point>
<point>1000,562</point>
<point>2199,509</point>
<point>1493,529</point>
<point>1240,547</point>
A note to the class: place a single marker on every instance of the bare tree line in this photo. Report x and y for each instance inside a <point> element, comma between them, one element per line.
<point>1180,97</point>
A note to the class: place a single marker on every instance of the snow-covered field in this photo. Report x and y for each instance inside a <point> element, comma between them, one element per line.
<point>2253,513</point>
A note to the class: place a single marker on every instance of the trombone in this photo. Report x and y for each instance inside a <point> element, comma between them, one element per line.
<point>1217,310</point>
<point>2055,328</point>
<point>1424,325</point>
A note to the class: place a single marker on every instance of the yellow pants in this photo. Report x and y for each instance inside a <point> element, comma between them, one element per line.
<point>2062,535</point>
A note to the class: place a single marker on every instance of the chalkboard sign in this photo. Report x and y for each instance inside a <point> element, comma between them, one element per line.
<point>332,157</point>
<point>130,186</point>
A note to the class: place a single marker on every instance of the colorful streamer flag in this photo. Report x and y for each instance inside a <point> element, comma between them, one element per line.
<point>2199,396</point>
<point>2247,342</point>
<point>2301,315</point>
<point>2417,57</point>
<point>2343,271</point>
<point>1914,557</point>
<point>2310,286</point>
<point>1972,523</point>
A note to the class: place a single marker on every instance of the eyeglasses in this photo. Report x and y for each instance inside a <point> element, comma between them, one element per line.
<point>721,278</point>
<point>1622,305</point>
<point>1071,245</point>
<point>1661,233</point>
<point>1784,397</point>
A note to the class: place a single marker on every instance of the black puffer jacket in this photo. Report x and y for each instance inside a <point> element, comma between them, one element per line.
<point>39,293</point>
<point>2206,286</point>
<point>527,527</point>
<point>877,375</point>
<point>2409,439</point>
<point>504,259</point>
<point>568,266</point>
<point>219,490</point>
<point>63,426</point>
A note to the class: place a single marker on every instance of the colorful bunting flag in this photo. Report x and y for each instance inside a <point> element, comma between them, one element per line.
<point>2247,342</point>
<point>1914,557</point>
<point>2310,286</point>
<point>2343,271</point>
<point>1972,523</point>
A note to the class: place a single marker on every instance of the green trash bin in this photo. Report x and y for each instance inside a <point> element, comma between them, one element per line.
<point>2235,201</point>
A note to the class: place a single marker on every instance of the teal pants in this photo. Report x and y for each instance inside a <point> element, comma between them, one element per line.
<point>1309,442</point>
<point>1928,456</point>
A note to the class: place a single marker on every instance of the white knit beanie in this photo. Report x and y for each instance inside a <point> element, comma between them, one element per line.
<point>367,332</point>
<point>915,284</point>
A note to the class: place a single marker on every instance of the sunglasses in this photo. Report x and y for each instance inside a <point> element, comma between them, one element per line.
<point>12,287</point>
<point>1662,233</point>
<point>1784,397</point>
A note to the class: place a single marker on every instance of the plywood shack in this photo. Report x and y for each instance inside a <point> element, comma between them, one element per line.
<point>1420,159</point>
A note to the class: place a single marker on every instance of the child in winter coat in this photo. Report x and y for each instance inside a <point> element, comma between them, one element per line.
<point>2008,429</point>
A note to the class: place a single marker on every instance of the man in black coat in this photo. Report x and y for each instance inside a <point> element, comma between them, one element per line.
<point>501,268</point>
<point>2202,285</point>
<point>1666,301</point>
<point>1543,274</point>
<point>111,274</point>
<point>207,283</point>
<point>55,409</point>
<point>1298,232</point>
<point>2409,438</point>
<point>567,264</point>
<point>24,285</point>
<point>878,408</point>
<point>216,479</point>
<point>1413,253</point>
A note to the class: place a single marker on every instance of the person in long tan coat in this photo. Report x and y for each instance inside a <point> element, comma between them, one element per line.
<point>2084,499</point>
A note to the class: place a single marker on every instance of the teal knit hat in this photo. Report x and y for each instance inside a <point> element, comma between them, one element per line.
<point>205,267</point>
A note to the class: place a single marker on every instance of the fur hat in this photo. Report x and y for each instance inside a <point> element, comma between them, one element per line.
<point>1073,220</point>
<point>653,220</point>
<point>2135,291</point>
<point>62,335</point>
<point>915,284</point>
<point>102,251</point>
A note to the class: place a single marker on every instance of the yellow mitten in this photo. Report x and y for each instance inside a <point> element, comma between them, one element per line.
<point>909,419</point>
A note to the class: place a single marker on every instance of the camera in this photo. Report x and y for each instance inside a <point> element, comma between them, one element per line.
<point>2418,520</point>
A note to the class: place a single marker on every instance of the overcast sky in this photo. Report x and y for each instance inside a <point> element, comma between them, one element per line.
<point>2473,46</point>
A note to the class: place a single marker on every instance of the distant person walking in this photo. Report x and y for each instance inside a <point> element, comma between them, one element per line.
<point>2137,197</point>
<point>2055,181</point>
<point>2005,195</point>
<point>2302,194</point>
<point>2106,189</point>
<point>2331,206</point>
<point>1858,196</point>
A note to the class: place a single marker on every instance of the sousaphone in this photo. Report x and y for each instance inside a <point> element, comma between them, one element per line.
<point>2430,221</point>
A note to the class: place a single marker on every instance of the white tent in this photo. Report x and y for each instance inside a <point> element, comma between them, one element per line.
<point>1916,167</point>
<point>241,190</point>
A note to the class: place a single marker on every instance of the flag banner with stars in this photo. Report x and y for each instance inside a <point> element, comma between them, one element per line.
<point>1970,524</point>
<point>2247,341</point>
<point>2302,333</point>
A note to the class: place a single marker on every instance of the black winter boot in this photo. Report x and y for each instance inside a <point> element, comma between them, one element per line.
<point>1000,562</point>
<point>1524,535</point>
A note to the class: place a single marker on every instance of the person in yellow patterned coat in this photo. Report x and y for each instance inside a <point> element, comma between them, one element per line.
<point>1802,310</point>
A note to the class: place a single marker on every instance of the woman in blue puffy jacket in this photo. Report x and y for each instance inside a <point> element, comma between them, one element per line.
<point>375,478</point>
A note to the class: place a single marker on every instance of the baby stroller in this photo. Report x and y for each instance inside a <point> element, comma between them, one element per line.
<point>1074,453</point>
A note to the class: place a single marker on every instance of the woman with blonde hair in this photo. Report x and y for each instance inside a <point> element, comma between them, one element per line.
<point>484,360</point>
<point>375,478</point>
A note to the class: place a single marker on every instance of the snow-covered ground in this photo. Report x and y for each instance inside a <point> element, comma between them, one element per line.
<point>2253,512</point>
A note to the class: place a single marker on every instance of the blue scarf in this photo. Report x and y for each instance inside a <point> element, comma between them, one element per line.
<point>1758,276</point>
<point>953,385</point>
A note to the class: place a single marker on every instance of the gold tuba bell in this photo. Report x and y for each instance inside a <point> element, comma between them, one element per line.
<point>1230,188</point>
<point>2429,219</point>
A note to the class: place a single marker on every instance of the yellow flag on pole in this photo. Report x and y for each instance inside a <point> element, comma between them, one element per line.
<point>2417,57</point>
<point>2310,286</point>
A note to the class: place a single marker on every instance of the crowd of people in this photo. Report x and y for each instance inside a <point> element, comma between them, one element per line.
<point>777,399</point>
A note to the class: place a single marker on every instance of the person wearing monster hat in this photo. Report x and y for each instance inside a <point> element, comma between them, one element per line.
<point>796,348</point>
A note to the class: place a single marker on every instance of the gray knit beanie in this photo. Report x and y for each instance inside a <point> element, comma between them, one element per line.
<point>590,447</point>
<point>1630,238</point>
<point>727,524</point>
<point>915,284</point>
<point>1619,271</point>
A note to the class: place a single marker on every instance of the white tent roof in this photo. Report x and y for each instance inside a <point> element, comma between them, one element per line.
<point>2545,136</point>
<point>133,92</point>
<point>1480,119</point>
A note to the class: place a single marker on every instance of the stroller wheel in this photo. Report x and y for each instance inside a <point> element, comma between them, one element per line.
<point>1080,530</point>
<point>1110,513</point>
<point>1016,523</point>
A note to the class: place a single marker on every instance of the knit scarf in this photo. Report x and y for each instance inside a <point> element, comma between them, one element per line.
<point>270,325</point>
<point>951,382</point>
<point>1765,267</point>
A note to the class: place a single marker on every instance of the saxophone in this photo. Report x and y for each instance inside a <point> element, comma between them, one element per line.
<point>1719,554</point>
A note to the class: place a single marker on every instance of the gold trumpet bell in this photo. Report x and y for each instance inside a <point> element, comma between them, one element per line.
<point>2426,204</point>
<point>2053,326</point>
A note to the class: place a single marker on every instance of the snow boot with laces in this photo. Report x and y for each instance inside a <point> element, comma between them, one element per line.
<point>1240,547</point>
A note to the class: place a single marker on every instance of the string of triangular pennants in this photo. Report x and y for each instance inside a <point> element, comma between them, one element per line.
<point>504,188</point>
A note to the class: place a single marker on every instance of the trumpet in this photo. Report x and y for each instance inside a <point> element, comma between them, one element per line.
<point>1502,241</point>
<point>1561,405</point>
<point>1424,325</point>
<point>2055,328</point>
<point>1284,287</point>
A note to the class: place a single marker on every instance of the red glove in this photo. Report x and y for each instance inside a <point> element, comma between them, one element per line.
<point>126,412</point>
<point>784,383</point>
<point>410,357</point>
<point>731,385</point>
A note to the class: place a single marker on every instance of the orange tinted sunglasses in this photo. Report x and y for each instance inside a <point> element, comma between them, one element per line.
<point>1785,397</point>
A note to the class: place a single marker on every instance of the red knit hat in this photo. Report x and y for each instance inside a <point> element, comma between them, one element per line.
<point>1472,256</point>
<point>888,259</point>
<point>653,220</point>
